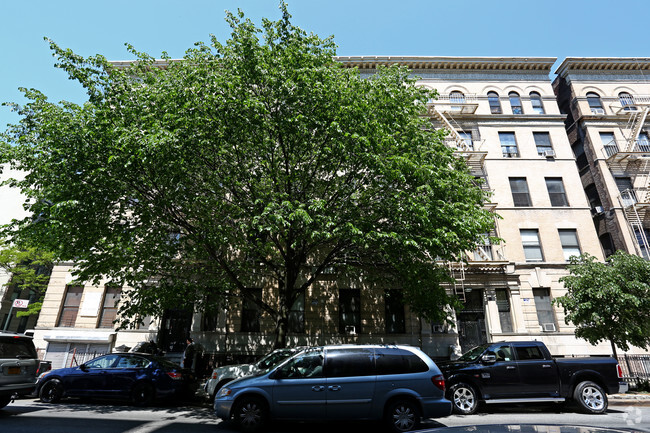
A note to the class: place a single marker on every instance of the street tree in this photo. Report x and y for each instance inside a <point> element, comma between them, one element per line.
<point>259,162</point>
<point>609,301</point>
<point>29,270</point>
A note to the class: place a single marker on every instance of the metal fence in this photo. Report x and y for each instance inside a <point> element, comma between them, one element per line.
<point>636,368</point>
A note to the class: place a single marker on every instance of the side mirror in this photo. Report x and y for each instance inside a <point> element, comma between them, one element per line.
<point>489,358</point>
<point>83,367</point>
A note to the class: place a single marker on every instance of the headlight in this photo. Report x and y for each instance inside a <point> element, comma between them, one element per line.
<point>224,392</point>
<point>42,375</point>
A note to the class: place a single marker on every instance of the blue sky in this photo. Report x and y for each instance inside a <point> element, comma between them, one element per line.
<point>550,28</point>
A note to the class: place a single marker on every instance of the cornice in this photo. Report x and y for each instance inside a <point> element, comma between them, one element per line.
<point>451,63</point>
<point>611,64</point>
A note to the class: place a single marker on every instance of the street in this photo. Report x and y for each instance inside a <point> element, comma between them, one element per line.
<point>30,415</point>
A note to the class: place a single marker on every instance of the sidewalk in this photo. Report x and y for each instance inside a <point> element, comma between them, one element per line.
<point>631,398</point>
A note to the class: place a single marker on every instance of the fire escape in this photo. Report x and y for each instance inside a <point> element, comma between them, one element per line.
<point>444,113</point>
<point>632,156</point>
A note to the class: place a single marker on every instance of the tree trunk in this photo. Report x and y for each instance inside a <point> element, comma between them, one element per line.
<point>281,330</point>
<point>613,348</point>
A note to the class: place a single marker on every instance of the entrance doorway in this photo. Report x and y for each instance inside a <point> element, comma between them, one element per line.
<point>471,321</point>
<point>175,330</point>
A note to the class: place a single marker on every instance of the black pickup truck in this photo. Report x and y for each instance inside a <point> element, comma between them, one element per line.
<point>525,371</point>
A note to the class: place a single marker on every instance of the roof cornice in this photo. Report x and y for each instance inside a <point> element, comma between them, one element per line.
<point>572,64</point>
<point>451,63</point>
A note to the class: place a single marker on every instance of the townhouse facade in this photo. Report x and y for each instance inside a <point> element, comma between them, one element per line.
<point>503,118</point>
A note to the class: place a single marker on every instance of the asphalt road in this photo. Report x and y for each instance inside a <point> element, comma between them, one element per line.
<point>29,415</point>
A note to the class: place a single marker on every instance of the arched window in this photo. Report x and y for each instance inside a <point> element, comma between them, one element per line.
<point>595,103</point>
<point>536,102</point>
<point>495,103</point>
<point>456,97</point>
<point>626,101</point>
<point>515,103</point>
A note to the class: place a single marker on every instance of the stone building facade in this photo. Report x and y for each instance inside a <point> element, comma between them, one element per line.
<point>505,122</point>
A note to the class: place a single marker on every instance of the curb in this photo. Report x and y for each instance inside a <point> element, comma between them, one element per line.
<point>630,399</point>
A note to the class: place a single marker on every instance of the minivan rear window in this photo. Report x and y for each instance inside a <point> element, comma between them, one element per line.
<point>350,362</point>
<point>20,348</point>
<point>398,361</point>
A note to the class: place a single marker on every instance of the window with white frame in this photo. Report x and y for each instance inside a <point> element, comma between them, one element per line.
<point>536,102</point>
<point>544,307</point>
<point>508,145</point>
<point>543,143</point>
<point>532,246</point>
<point>515,103</point>
<point>495,103</point>
<point>595,103</point>
<point>569,241</point>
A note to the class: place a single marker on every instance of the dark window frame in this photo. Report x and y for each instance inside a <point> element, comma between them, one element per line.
<point>520,191</point>
<point>556,191</point>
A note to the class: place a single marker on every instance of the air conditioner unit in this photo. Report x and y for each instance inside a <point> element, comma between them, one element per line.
<point>598,210</point>
<point>548,327</point>
<point>549,153</point>
<point>597,111</point>
<point>351,330</point>
<point>438,329</point>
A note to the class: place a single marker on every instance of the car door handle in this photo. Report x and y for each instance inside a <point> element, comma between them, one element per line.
<point>318,388</point>
<point>334,387</point>
<point>510,367</point>
<point>546,366</point>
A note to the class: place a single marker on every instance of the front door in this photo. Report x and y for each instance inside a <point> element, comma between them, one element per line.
<point>538,376</point>
<point>299,391</point>
<point>501,379</point>
<point>471,321</point>
<point>175,330</point>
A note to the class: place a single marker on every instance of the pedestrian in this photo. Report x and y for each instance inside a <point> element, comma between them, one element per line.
<point>189,355</point>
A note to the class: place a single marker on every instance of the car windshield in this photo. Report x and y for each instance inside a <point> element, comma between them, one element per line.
<point>273,359</point>
<point>473,354</point>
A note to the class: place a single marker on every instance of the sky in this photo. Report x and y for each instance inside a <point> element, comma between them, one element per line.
<point>535,28</point>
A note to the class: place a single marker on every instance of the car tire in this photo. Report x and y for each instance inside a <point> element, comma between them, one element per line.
<point>402,416</point>
<point>464,398</point>
<point>142,394</point>
<point>250,414</point>
<point>590,397</point>
<point>51,391</point>
<point>4,400</point>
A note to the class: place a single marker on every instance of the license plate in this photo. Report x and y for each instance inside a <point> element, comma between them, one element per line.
<point>13,370</point>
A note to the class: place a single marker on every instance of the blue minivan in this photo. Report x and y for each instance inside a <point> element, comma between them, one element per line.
<point>397,384</point>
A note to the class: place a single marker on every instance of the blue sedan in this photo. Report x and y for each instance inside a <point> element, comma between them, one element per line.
<point>138,377</point>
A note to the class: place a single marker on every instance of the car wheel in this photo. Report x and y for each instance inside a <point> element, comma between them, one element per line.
<point>142,394</point>
<point>250,414</point>
<point>590,397</point>
<point>4,400</point>
<point>403,416</point>
<point>464,398</point>
<point>51,391</point>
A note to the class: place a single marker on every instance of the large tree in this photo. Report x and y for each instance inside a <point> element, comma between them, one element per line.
<point>258,162</point>
<point>609,301</point>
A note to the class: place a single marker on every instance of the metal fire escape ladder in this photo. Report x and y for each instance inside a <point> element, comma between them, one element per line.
<point>637,119</point>
<point>453,129</point>
<point>457,272</point>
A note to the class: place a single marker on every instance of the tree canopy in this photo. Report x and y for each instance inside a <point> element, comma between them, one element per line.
<point>609,301</point>
<point>257,162</point>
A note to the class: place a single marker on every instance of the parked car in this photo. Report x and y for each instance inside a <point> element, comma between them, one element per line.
<point>397,384</point>
<point>139,377</point>
<point>525,371</point>
<point>19,366</point>
<point>222,375</point>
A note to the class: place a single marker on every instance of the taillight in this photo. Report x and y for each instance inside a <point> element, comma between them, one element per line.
<point>214,375</point>
<point>619,370</point>
<point>439,382</point>
<point>174,375</point>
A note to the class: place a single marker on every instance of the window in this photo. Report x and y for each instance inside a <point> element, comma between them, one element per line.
<point>532,247</point>
<point>595,104</point>
<point>626,188</point>
<point>349,311</point>
<point>607,243</point>
<point>456,97</point>
<point>102,362</point>
<point>508,144</point>
<point>519,188</point>
<point>528,353</point>
<point>250,318</point>
<point>495,103</point>
<point>643,240</point>
<point>395,321</point>
<point>109,308</point>
<point>484,249</point>
<point>643,142</point>
<point>503,306</point>
<point>350,362</point>
<point>569,240</point>
<point>297,315</point>
<point>536,102</point>
<point>627,102</point>
<point>398,361</point>
<point>515,103</point>
<point>467,139</point>
<point>70,308</point>
<point>543,304</point>
<point>503,353</point>
<point>609,143</point>
<point>543,143</point>
<point>556,193</point>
